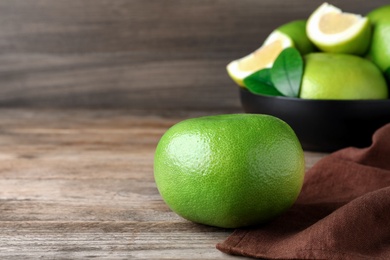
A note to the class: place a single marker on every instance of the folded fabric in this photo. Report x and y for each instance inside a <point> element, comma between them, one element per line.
<point>343,211</point>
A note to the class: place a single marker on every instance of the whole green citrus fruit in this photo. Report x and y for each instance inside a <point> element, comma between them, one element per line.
<point>379,50</point>
<point>341,76</point>
<point>229,170</point>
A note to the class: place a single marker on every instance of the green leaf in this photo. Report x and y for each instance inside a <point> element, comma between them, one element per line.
<point>260,83</point>
<point>287,71</point>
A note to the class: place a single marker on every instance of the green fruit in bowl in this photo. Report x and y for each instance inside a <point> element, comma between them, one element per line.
<point>341,76</point>
<point>379,51</point>
<point>229,170</point>
<point>296,30</point>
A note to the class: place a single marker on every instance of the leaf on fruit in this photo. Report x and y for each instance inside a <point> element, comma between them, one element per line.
<point>287,72</point>
<point>260,83</point>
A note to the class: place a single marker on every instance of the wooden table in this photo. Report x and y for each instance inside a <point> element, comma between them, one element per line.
<point>79,184</point>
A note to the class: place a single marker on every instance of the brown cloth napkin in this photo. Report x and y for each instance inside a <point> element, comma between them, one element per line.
<point>343,211</point>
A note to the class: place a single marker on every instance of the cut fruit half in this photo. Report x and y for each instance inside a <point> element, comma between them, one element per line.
<point>263,57</point>
<point>332,30</point>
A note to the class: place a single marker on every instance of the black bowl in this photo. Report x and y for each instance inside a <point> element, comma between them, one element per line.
<point>323,125</point>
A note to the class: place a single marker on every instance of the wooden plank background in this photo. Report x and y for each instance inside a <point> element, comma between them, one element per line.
<point>135,54</point>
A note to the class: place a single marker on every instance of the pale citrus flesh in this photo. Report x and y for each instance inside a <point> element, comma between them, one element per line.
<point>229,170</point>
<point>262,57</point>
<point>332,23</point>
<point>341,76</point>
<point>259,59</point>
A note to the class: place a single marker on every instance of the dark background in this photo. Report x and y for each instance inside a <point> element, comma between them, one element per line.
<point>153,55</point>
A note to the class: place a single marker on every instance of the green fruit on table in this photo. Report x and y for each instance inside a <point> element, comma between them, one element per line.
<point>229,170</point>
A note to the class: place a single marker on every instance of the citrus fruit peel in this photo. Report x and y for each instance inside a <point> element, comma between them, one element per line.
<point>332,30</point>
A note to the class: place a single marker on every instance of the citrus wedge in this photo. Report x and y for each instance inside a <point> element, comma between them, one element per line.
<point>261,58</point>
<point>332,30</point>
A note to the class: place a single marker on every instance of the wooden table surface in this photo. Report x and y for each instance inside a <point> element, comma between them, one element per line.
<point>79,184</point>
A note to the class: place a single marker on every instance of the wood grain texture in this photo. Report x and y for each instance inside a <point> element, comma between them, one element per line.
<point>135,54</point>
<point>79,184</point>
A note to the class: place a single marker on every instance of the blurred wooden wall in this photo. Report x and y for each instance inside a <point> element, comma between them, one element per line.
<point>136,54</point>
